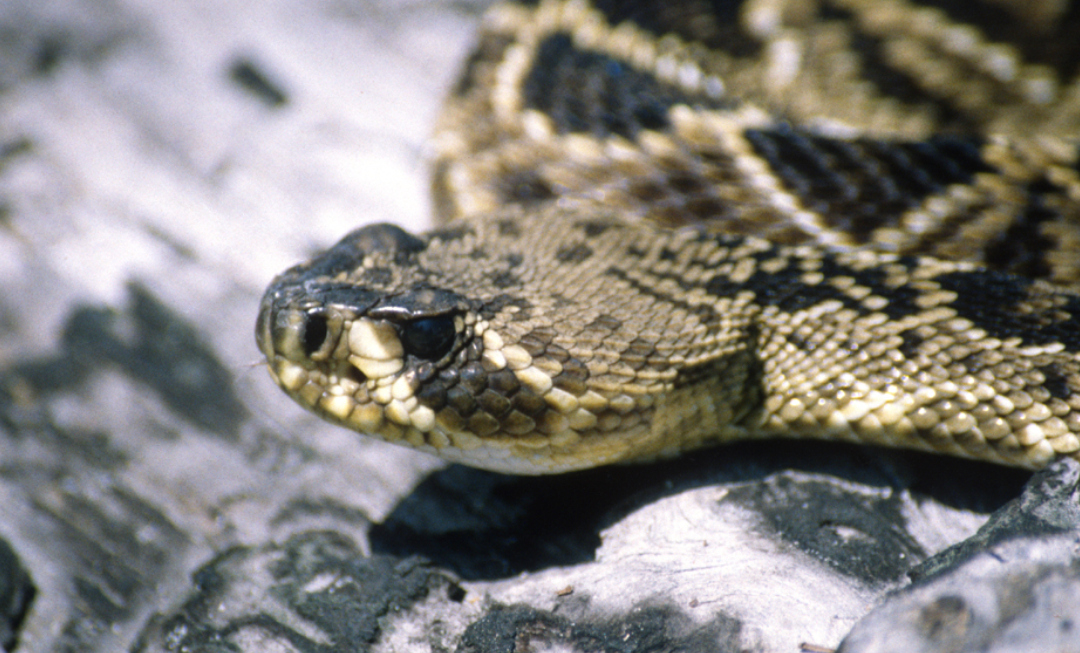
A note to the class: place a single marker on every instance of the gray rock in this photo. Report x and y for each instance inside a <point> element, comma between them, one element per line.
<point>1013,586</point>
<point>746,548</point>
<point>315,592</point>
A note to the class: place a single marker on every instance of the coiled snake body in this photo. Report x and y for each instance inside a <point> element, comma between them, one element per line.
<point>667,225</point>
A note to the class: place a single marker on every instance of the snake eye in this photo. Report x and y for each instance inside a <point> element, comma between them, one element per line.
<point>429,338</point>
<point>315,332</point>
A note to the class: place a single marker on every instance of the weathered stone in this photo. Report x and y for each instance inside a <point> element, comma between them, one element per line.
<point>1013,586</point>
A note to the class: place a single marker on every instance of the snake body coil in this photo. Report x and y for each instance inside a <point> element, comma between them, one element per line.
<point>669,225</point>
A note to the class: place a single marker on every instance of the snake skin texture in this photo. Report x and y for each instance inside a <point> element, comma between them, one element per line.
<point>671,224</point>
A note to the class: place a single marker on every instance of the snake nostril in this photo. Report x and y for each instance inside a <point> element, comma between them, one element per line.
<point>316,330</point>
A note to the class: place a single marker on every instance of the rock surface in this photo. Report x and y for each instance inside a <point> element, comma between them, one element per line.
<point>1013,586</point>
<point>159,163</point>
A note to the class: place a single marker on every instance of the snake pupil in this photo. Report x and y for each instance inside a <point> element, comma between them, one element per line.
<point>315,332</point>
<point>429,338</point>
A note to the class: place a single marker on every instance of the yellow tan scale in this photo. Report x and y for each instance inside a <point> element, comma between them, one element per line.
<point>614,293</point>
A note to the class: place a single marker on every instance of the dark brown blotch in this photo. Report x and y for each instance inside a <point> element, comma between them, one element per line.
<point>647,190</point>
<point>450,419</point>
<point>461,400</point>
<point>718,25</point>
<point>471,353</point>
<point>504,279</point>
<point>571,384</point>
<point>536,341</point>
<point>708,208</point>
<point>574,368</point>
<point>528,403</point>
<point>474,378</point>
<point>593,228</point>
<point>493,403</point>
<point>605,322</point>
<point>549,423</point>
<point>668,254</point>
<point>686,183</point>
<point>637,353</point>
<point>518,424</point>
<point>557,353</point>
<point>1058,382</point>
<point>524,187</point>
<point>504,381</point>
<point>432,395</point>
<point>578,253</point>
<point>483,424</point>
<point>508,228</point>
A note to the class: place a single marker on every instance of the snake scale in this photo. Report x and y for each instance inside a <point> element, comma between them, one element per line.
<point>670,224</point>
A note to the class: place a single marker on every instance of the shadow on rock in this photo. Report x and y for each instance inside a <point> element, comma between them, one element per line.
<point>483,525</point>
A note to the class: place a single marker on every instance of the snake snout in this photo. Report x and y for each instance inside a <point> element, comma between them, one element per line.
<point>299,336</point>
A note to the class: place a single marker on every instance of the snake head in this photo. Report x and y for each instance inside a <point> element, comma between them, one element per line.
<point>371,336</point>
<point>353,336</point>
<point>463,343</point>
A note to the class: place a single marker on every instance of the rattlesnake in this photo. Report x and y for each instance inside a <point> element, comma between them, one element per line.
<point>669,224</point>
